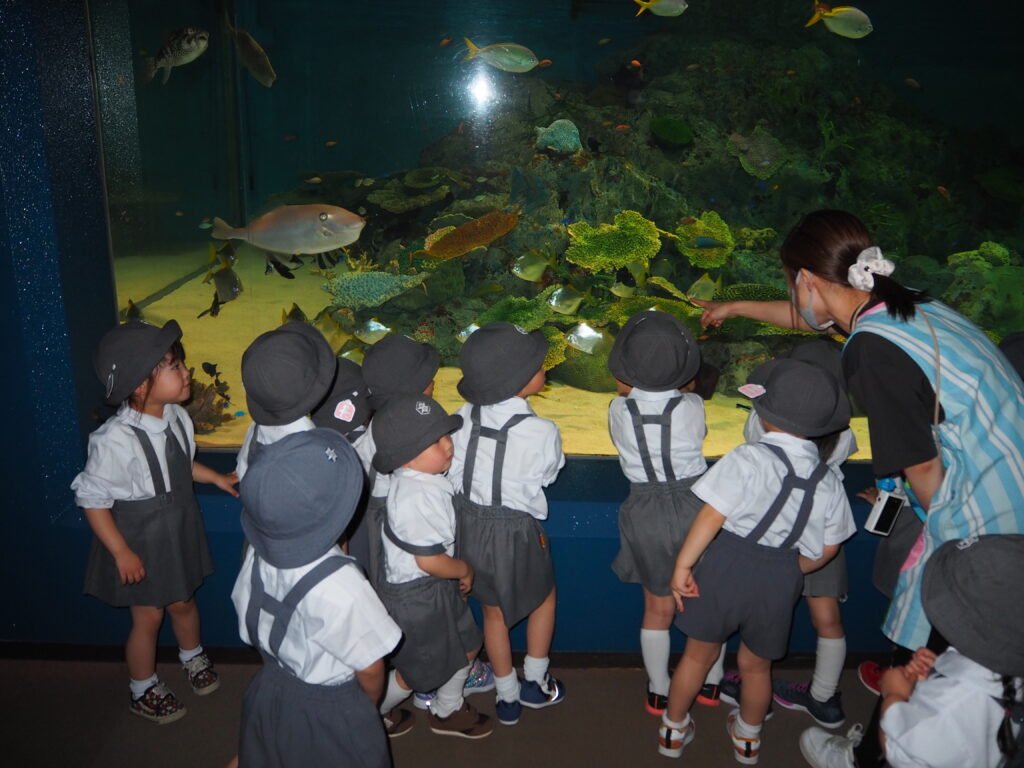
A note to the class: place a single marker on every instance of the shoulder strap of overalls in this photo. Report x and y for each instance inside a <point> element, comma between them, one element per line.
<point>254,447</point>
<point>412,549</point>
<point>790,483</point>
<point>665,420</point>
<point>283,610</point>
<point>500,436</point>
<point>155,470</point>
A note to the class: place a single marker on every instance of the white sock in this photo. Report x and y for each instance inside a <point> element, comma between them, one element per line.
<point>828,666</point>
<point>674,725</point>
<point>717,671</point>
<point>535,669</point>
<point>449,696</point>
<point>139,687</point>
<point>744,731</point>
<point>186,656</point>
<point>507,686</point>
<point>394,694</point>
<point>656,645</point>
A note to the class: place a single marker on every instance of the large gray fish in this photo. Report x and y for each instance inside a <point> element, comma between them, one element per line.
<point>181,47</point>
<point>296,229</point>
<point>252,55</point>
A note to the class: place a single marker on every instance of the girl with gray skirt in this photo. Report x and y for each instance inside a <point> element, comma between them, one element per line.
<point>658,432</point>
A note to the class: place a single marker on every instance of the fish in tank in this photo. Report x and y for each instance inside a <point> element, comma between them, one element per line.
<point>424,169</point>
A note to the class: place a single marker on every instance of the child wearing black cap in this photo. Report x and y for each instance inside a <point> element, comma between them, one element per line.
<point>286,373</point>
<point>149,552</point>
<point>964,707</point>
<point>321,629</point>
<point>772,512</point>
<point>424,584</point>
<point>658,432</point>
<point>504,457</point>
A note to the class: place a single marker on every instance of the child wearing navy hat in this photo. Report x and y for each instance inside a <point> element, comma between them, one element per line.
<point>505,455</point>
<point>424,584</point>
<point>659,433</point>
<point>772,512</point>
<point>149,551</point>
<point>321,629</point>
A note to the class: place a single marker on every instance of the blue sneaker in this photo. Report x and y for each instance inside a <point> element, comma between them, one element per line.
<point>798,696</point>
<point>508,712</point>
<point>543,694</point>
<point>480,680</point>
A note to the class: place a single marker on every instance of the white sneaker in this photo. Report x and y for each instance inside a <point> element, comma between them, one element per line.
<point>672,741</point>
<point>826,750</point>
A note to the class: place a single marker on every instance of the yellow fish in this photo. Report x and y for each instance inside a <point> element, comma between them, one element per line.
<point>705,288</point>
<point>842,20</point>
<point>662,7</point>
<point>508,57</point>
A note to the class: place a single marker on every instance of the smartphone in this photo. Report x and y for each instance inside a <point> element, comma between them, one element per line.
<point>882,518</point>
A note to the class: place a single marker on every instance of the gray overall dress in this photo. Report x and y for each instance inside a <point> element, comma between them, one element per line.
<point>507,547</point>
<point>656,516</point>
<point>366,541</point>
<point>752,587</point>
<point>437,626</point>
<point>288,722</point>
<point>166,532</point>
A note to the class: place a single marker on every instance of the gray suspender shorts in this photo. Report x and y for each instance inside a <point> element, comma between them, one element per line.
<point>437,626</point>
<point>508,548</point>
<point>289,722</point>
<point>750,587</point>
<point>656,516</point>
<point>166,532</point>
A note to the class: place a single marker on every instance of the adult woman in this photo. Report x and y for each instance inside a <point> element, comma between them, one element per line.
<point>944,407</point>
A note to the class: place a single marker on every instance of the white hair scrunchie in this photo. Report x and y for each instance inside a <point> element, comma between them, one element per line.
<point>870,262</point>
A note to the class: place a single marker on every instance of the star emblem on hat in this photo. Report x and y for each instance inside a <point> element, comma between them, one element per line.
<point>422,408</point>
<point>331,454</point>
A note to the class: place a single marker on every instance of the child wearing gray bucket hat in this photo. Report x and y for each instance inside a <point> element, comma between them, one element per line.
<point>505,455</point>
<point>424,584</point>
<point>772,512</point>
<point>320,627</point>
<point>149,550</point>
<point>658,432</point>
<point>287,373</point>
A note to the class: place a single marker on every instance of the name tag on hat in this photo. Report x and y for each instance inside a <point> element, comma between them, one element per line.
<point>344,411</point>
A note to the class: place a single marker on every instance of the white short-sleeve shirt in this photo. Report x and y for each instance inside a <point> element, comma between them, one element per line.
<point>116,468</point>
<point>687,431</point>
<point>366,448</point>
<point>421,513</point>
<point>338,629</point>
<point>950,720</point>
<point>269,436</point>
<point>533,457</point>
<point>846,445</point>
<point>744,482</point>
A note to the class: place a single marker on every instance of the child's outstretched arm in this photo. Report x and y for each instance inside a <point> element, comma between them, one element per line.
<point>371,680</point>
<point>203,474</point>
<point>707,525</point>
<point>448,567</point>
<point>129,565</point>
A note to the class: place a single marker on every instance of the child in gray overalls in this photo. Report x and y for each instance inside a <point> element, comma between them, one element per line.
<point>772,512</point>
<point>504,457</point>
<point>424,585</point>
<point>321,629</point>
<point>149,552</point>
<point>659,433</point>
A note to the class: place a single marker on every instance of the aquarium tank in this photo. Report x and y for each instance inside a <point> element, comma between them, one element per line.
<point>421,168</point>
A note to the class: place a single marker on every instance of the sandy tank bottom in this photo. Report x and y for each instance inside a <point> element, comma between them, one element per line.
<point>582,416</point>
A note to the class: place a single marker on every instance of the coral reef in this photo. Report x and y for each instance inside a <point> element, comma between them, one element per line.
<point>209,404</point>
<point>706,242</point>
<point>583,371</point>
<point>760,154</point>
<point>671,132</point>
<point>393,197</point>
<point>430,176</point>
<point>362,290</point>
<point>561,136</point>
<point>629,239</point>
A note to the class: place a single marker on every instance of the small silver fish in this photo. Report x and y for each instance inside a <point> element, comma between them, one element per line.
<point>181,47</point>
<point>530,266</point>
<point>371,331</point>
<point>355,355</point>
<point>586,339</point>
<point>566,300</point>
<point>622,290</point>
<point>466,332</point>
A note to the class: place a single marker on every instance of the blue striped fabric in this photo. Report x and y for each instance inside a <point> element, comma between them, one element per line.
<point>982,444</point>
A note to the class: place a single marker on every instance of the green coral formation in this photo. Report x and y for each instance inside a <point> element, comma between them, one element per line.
<point>760,154</point>
<point>583,371</point>
<point>671,132</point>
<point>530,314</point>
<point>561,136</point>
<point>990,253</point>
<point>706,242</point>
<point>362,290</point>
<point>751,239</point>
<point>430,176</point>
<point>393,198</point>
<point>557,345</point>
<point>751,292</point>
<point>630,238</point>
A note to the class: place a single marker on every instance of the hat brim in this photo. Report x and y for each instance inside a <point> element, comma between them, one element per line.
<point>146,362</point>
<point>387,462</point>
<point>620,369</point>
<point>477,394</point>
<point>326,366</point>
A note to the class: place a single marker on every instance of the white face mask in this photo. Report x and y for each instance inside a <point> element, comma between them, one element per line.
<point>807,313</point>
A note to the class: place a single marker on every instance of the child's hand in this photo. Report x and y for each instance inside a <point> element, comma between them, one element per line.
<point>227,483</point>
<point>683,585</point>
<point>129,567</point>
<point>869,494</point>
<point>466,582</point>
<point>896,682</point>
<point>921,664</point>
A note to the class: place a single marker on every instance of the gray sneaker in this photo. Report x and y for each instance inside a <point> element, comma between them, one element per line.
<point>797,696</point>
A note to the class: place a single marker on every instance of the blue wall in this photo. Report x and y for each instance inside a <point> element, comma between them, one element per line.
<point>56,300</point>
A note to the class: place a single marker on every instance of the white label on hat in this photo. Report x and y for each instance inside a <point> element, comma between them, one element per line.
<point>344,411</point>
<point>110,379</point>
<point>521,329</point>
<point>968,542</point>
<point>422,408</point>
<point>752,390</point>
<point>331,454</point>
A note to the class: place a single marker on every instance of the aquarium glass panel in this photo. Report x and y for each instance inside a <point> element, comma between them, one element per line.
<point>418,168</point>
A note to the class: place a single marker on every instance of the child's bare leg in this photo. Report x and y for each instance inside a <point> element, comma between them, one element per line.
<point>140,650</point>
<point>689,677</point>
<point>825,615</point>
<point>499,649</point>
<point>659,611</point>
<point>185,623</point>
<point>756,694</point>
<point>540,627</point>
